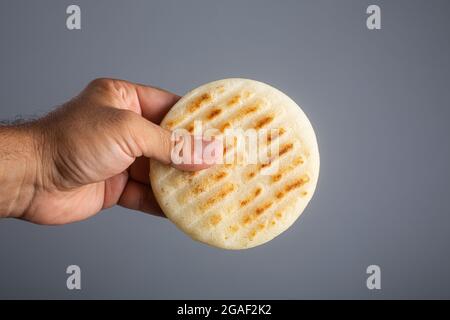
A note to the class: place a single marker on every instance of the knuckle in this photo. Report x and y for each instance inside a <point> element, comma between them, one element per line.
<point>103,83</point>
<point>111,87</point>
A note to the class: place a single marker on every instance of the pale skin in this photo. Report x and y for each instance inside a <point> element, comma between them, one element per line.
<point>90,154</point>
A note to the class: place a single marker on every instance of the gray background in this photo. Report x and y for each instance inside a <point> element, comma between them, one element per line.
<point>379,101</point>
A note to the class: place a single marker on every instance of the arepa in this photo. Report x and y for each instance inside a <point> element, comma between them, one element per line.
<point>237,205</point>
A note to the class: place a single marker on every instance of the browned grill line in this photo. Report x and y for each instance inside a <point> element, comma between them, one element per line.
<point>292,186</point>
<point>285,148</point>
<point>220,195</point>
<point>264,121</point>
<point>209,182</point>
<point>234,100</point>
<point>294,164</point>
<point>250,198</point>
<point>251,108</point>
<point>258,211</point>
<point>198,102</point>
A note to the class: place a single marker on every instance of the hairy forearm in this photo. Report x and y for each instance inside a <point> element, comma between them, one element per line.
<point>19,166</point>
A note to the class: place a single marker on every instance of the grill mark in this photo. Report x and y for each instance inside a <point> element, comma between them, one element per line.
<point>172,123</point>
<point>265,165</point>
<point>226,149</point>
<point>285,148</point>
<point>190,127</point>
<point>251,175</point>
<point>224,126</point>
<point>230,146</point>
<point>220,176</point>
<point>214,113</point>
<point>250,198</point>
<point>198,189</point>
<point>234,100</point>
<point>192,107</point>
<point>220,195</point>
<point>247,219</point>
<point>198,102</point>
<point>251,108</point>
<point>270,137</point>
<point>208,182</point>
<point>295,163</point>
<point>256,213</point>
<point>201,173</point>
<point>233,228</point>
<point>276,217</point>
<point>210,116</point>
<point>277,177</point>
<point>292,186</point>
<point>215,219</point>
<point>197,183</point>
<point>260,227</point>
<point>220,89</point>
<point>227,210</point>
<point>263,122</point>
<point>264,207</point>
<point>193,173</point>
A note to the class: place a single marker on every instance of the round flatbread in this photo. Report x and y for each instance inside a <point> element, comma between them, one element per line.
<point>240,204</point>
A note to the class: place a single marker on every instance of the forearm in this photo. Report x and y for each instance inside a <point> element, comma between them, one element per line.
<point>19,166</point>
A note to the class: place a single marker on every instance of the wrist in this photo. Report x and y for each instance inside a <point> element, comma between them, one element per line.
<point>20,167</point>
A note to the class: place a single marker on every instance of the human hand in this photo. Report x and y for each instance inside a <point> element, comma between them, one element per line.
<point>87,155</point>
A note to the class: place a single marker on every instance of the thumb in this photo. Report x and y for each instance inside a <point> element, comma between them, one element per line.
<point>184,152</point>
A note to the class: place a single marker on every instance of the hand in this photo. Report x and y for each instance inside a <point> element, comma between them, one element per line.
<point>87,155</point>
